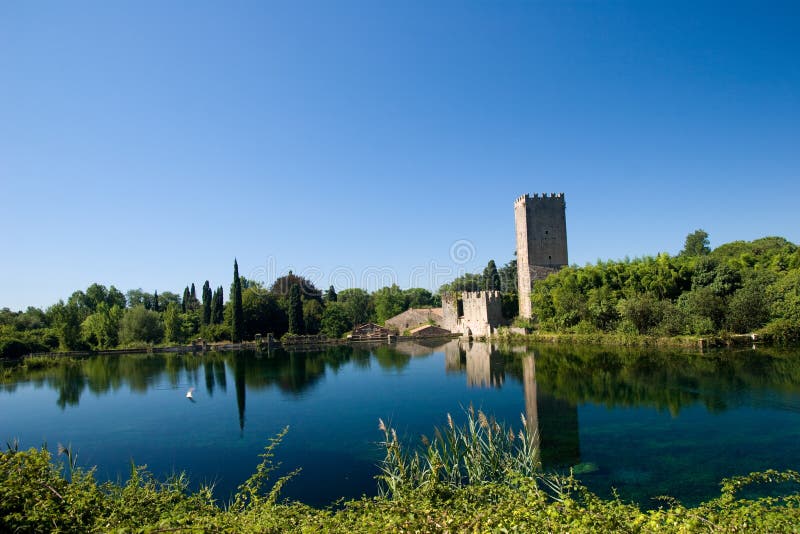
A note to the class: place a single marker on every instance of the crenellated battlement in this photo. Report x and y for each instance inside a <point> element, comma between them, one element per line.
<point>536,196</point>
<point>481,295</point>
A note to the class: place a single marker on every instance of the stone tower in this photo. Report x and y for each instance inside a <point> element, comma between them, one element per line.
<point>541,225</point>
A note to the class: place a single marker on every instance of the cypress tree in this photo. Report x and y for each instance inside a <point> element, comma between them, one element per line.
<point>206,303</point>
<point>185,300</point>
<point>219,314</point>
<point>214,306</point>
<point>296,325</point>
<point>331,295</point>
<point>155,301</point>
<point>237,317</point>
<point>193,298</point>
<point>491,278</point>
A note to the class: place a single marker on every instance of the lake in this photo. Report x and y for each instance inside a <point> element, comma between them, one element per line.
<point>644,422</point>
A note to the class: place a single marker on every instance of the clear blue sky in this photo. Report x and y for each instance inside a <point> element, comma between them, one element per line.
<point>147,143</point>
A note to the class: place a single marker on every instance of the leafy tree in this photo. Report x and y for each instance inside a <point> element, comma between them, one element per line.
<point>30,319</point>
<point>696,244</point>
<point>168,297</point>
<point>173,324</point>
<point>358,304</point>
<point>67,319</point>
<point>749,306</point>
<point>100,329</point>
<point>336,320</point>
<point>705,309</point>
<point>262,314</point>
<point>295,311</point>
<point>237,317</point>
<point>491,277</point>
<point>283,285</point>
<point>136,297</point>
<point>312,316</point>
<point>643,311</point>
<point>139,324</point>
<point>417,297</point>
<point>388,301</point>
<point>115,298</point>
<point>508,276</point>
<point>95,294</point>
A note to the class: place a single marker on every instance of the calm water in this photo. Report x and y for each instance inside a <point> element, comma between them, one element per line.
<point>646,423</point>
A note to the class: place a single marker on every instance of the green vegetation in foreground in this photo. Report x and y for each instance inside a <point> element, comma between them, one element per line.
<point>478,478</point>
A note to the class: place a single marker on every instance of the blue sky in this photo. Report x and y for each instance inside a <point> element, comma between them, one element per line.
<point>148,143</point>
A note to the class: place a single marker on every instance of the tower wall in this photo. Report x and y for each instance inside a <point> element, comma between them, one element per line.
<point>541,229</point>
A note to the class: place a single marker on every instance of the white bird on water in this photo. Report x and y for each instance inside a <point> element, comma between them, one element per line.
<point>189,394</point>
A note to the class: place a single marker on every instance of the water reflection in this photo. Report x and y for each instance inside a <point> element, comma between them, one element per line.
<point>621,411</point>
<point>553,422</point>
<point>575,376</point>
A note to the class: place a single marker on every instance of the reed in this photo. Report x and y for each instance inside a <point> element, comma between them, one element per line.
<point>478,452</point>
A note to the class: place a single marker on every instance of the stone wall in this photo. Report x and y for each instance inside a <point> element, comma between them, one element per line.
<point>414,317</point>
<point>481,312</point>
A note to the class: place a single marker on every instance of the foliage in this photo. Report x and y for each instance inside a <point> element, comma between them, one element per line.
<point>388,302</point>
<point>358,304</point>
<point>100,329</point>
<point>140,324</point>
<point>38,495</point>
<point>335,320</point>
<point>739,287</point>
<point>262,314</point>
<point>491,277</point>
<point>330,295</point>
<point>312,316</point>
<point>696,244</point>
<point>295,311</point>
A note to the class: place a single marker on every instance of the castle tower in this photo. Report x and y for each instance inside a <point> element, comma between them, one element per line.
<point>541,225</point>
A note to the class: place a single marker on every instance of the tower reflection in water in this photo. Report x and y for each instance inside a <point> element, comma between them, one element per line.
<point>553,421</point>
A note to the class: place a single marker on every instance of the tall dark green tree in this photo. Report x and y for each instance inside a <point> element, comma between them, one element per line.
<point>217,307</point>
<point>193,298</point>
<point>491,278</point>
<point>155,301</point>
<point>206,303</point>
<point>296,325</point>
<point>237,317</point>
<point>185,300</point>
<point>330,295</point>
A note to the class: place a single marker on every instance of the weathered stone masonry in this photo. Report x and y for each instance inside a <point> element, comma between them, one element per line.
<point>541,228</point>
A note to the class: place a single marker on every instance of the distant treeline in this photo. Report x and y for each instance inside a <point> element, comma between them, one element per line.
<point>739,287</point>
<point>103,318</point>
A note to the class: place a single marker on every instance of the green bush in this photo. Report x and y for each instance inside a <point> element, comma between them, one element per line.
<point>782,332</point>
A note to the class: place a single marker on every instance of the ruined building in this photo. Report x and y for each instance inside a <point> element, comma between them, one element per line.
<point>474,313</point>
<point>541,226</point>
